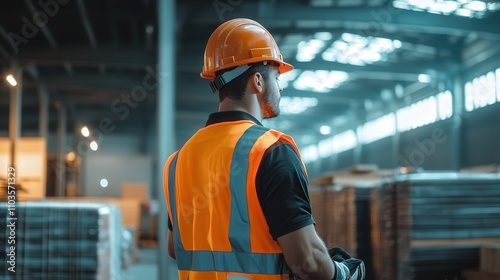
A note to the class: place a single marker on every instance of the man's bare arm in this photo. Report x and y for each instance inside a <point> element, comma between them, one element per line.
<point>306,254</point>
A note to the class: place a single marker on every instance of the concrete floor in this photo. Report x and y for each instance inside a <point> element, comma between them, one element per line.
<point>146,268</point>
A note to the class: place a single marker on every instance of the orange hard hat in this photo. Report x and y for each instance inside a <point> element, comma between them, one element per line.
<point>239,42</point>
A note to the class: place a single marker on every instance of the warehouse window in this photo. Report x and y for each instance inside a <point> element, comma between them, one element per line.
<point>344,141</point>
<point>325,147</point>
<point>480,92</point>
<point>445,105</point>
<point>310,153</point>
<point>425,112</point>
<point>377,129</point>
<point>498,84</point>
<point>339,143</point>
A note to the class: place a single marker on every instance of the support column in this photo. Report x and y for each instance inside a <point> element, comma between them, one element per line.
<point>165,134</point>
<point>61,148</point>
<point>359,116</point>
<point>43,117</point>
<point>457,89</point>
<point>396,138</point>
<point>15,111</point>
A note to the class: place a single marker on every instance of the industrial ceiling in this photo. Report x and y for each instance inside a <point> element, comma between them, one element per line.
<point>90,55</point>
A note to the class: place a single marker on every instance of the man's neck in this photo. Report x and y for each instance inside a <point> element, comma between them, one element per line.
<point>251,108</point>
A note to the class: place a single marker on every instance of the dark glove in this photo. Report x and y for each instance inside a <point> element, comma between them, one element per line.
<point>342,261</point>
<point>339,253</point>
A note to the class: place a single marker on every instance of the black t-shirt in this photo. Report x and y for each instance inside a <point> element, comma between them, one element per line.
<point>281,183</point>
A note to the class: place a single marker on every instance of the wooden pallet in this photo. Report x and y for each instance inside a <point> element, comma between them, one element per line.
<point>480,275</point>
<point>490,258</point>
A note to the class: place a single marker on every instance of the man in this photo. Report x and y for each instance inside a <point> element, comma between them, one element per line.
<point>236,191</point>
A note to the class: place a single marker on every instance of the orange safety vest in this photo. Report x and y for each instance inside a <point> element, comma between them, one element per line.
<point>219,229</point>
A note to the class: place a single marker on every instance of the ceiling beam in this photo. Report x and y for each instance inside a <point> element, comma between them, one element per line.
<point>370,20</point>
<point>133,58</point>
<point>4,53</point>
<point>86,23</point>
<point>113,83</point>
<point>5,36</point>
<point>45,30</point>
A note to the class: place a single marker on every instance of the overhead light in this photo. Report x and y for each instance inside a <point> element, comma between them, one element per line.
<point>325,130</point>
<point>307,50</point>
<point>296,105</point>
<point>70,157</point>
<point>85,131</point>
<point>397,44</point>
<point>424,78</point>
<point>285,78</point>
<point>359,50</point>
<point>477,6</point>
<point>463,12</point>
<point>325,36</point>
<point>464,8</point>
<point>320,80</point>
<point>12,81</point>
<point>94,146</point>
<point>104,183</point>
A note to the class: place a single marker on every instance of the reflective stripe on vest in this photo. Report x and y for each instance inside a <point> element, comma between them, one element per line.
<point>240,259</point>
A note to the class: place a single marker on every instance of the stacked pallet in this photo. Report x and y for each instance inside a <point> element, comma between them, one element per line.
<point>344,198</point>
<point>432,224</point>
<point>383,231</point>
<point>489,268</point>
<point>317,198</point>
<point>58,240</point>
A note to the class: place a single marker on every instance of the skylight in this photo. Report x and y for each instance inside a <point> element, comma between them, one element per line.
<point>307,50</point>
<point>296,105</point>
<point>320,80</point>
<point>464,8</point>
<point>285,78</point>
<point>359,50</point>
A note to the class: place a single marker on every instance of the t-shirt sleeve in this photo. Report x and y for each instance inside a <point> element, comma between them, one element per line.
<point>282,190</point>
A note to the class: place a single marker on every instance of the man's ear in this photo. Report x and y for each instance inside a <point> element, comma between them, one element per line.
<point>257,82</point>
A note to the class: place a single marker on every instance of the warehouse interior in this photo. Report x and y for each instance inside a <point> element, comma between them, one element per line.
<point>394,105</point>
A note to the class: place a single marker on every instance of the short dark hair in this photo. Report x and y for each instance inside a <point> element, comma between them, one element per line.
<point>235,89</point>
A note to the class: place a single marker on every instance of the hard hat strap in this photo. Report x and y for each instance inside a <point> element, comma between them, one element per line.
<point>222,80</point>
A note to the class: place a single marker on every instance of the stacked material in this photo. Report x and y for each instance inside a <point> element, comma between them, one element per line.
<point>341,208</point>
<point>383,232</point>
<point>61,240</point>
<point>317,198</point>
<point>433,224</point>
<point>489,268</point>
<point>490,258</point>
